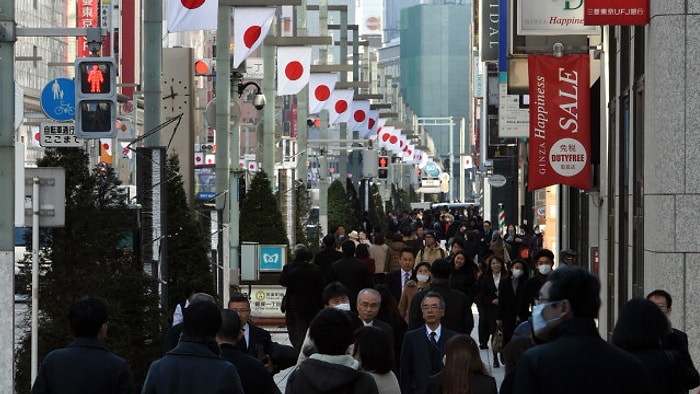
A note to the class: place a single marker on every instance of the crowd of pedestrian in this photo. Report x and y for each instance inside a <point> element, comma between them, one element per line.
<point>367,315</point>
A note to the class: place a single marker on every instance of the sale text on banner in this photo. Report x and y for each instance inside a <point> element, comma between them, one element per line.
<point>560,135</point>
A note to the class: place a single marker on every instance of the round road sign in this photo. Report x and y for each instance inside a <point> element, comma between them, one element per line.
<point>58,99</point>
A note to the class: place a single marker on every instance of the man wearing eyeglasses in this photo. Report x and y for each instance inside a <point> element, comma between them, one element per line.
<point>424,347</point>
<point>572,358</point>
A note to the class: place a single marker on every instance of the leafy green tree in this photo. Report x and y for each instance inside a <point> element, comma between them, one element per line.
<point>261,219</point>
<point>302,219</point>
<point>83,258</point>
<point>339,213</point>
<point>377,214</point>
<point>187,245</point>
<point>355,218</point>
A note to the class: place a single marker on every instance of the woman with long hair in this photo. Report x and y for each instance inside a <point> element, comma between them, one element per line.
<point>373,350</point>
<point>489,287</point>
<point>464,372</point>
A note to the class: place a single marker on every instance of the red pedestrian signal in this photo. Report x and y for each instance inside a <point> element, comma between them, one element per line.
<point>204,67</point>
<point>95,76</point>
<point>383,162</point>
<point>95,97</point>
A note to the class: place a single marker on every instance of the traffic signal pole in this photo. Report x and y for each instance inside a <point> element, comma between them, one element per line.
<point>7,195</point>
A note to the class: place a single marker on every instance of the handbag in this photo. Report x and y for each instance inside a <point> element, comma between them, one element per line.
<point>497,340</point>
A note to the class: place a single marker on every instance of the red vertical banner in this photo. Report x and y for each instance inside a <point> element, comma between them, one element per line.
<point>87,16</point>
<point>560,132</point>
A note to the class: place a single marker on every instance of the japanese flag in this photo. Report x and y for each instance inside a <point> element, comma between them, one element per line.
<point>293,65</point>
<point>126,152</point>
<point>241,163</point>
<point>250,27</point>
<point>106,145</point>
<point>372,124</point>
<point>253,166</point>
<point>338,106</point>
<point>210,159</point>
<point>36,136</point>
<point>186,15</point>
<point>385,135</point>
<point>360,116</point>
<point>198,158</point>
<point>321,86</point>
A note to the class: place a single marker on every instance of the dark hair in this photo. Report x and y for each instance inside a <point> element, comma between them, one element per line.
<point>332,290</point>
<point>348,247</point>
<point>303,254</point>
<point>238,297</point>
<point>86,316</point>
<point>518,261</point>
<point>662,293</point>
<point>375,351</point>
<point>362,251</point>
<point>408,249</point>
<point>544,253</point>
<point>192,287</point>
<point>329,241</point>
<point>331,331</point>
<point>577,285</point>
<point>459,241</point>
<point>201,319</point>
<point>230,325</point>
<point>462,358</point>
<point>441,269</point>
<point>379,239</point>
<point>641,326</point>
<point>415,269</point>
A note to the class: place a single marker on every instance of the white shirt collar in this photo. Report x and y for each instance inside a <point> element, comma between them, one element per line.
<point>438,331</point>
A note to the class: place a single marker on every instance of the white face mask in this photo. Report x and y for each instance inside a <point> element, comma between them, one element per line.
<point>422,277</point>
<point>517,273</point>
<point>342,307</point>
<point>544,269</point>
<point>538,321</point>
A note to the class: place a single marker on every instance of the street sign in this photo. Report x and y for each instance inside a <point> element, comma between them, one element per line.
<point>58,99</point>
<point>497,180</point>
<point>59,135</point>
<point>432,169</point>
<point>52,198</point>
<point>272,257</point>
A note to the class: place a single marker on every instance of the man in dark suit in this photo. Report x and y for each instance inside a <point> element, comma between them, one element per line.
<point>327,256</point>
<point>254,376</point>
<point>458,312</point>
<point>485,236</point>
<point>563,322</point>
<point>368,303</point>
<point>257,342</point>
<point>397,280</point>
<point>352,272</point>
<point>424,347</point>
<point>85,365</point>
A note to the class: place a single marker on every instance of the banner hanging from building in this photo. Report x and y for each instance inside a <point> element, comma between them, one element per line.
<point>616,12</point>
<point>560,134</point>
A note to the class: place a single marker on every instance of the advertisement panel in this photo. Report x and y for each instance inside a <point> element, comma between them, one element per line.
<point>552,18</point>
<point>86,17</point>
<point>560,135</point>
<point>616,12</point>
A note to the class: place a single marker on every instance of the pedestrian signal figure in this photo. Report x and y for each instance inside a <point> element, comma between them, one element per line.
<point>95,78</point>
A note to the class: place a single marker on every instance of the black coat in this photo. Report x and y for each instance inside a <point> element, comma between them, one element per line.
<point>260,344</point>
<point>578,361</point>
<point>458,313</point>
<point>508,305</point>
<point>84,366</point>
<point>304,283</point>
<point>192,367</point>
<point>420,359</point>
<point>254,377</point>
<point>324,259</point>
<point>315,376</point>
<point>393,281</point>
<point>478,384</point>
<point>530,293</point>
<point>352,273</point>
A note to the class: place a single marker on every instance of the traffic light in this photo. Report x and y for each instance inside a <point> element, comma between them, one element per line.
<point>95,97</point>
<point>313,122</point>
<point>204,67</point>
<point>383,167</point>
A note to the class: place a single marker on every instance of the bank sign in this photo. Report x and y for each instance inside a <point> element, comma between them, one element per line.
<point>617,12</point>
<point>552,18</point>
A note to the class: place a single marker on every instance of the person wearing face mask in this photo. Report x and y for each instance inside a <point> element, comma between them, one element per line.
<point>572,357</point>
<point>419,281</point>
<point>544,260</point>
<point>511,288</point>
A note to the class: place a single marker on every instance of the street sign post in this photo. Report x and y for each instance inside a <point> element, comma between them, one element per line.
<point>59,135</point>
<point>58,99</point>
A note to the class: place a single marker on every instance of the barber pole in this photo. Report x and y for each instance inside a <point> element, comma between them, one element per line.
<point>501,219</point>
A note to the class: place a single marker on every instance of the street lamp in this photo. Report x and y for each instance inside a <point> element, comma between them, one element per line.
<point>259,98</point>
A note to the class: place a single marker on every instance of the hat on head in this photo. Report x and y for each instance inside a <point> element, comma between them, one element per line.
<point>353,235</point>
<point>568,253</point>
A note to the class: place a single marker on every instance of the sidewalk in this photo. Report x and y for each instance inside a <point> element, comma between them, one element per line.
<point>279,335</point>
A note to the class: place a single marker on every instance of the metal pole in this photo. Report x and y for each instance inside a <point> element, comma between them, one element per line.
<point>35,278</point>
<point>268,143</point>
<point>7,200</point>
<point>452,159</point>
<point>302,109</point>
<point>152,68</point>
<point>462,149</point>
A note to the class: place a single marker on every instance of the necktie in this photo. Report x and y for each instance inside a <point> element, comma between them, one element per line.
<point>433,335</point>
<point>406,278</point>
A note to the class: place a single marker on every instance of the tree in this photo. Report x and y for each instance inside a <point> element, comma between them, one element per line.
<point>377,214</point>
<point>339,213</point>
<point>302,219</point>
<point>261,219</point>
<point>187,245</point>
<point>84,258</point>
<point>355,218</point>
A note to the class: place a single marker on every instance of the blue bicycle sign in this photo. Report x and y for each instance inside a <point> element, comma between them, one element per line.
<point>58,99</point>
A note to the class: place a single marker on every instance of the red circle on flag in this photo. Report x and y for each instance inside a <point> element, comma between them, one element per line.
<point>359,116</point>
<point>192,4</point>
<point>371,123</point>
<point>251,35</point>
<point>385,137</point>
<point>379,130</point>
<point>393,139</point>
<point>294,70</point>
<point>198,159</point>
<point>322,93</point>
<point>341,106</point>
<point>37,136</point>
<point>251,166</point>
<point>105,146</point>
